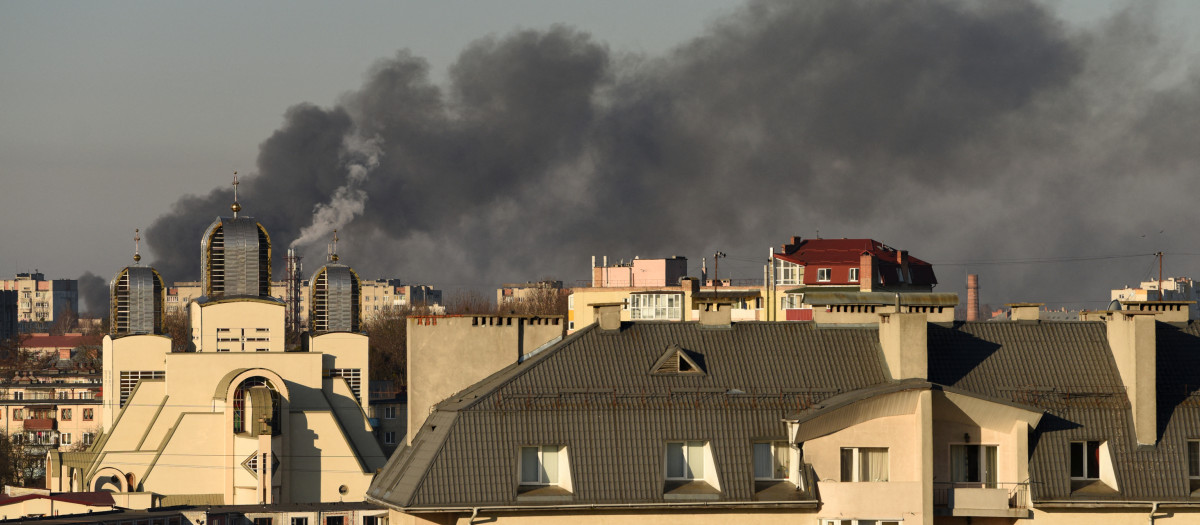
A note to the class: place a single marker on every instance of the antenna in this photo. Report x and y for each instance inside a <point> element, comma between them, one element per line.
<point>137,237</point>
<point>235,207</point>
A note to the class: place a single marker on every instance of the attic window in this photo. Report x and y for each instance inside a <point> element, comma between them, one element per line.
<point>676,360</point>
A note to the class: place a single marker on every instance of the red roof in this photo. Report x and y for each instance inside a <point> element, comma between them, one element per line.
<point>847,252</point>
<point>60,341</point>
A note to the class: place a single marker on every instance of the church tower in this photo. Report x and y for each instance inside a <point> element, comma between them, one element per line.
<point>335,296</point>
<point>235,256</point>
<point>136,298</point>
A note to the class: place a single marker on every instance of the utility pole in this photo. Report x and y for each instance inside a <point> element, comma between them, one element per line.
<point>717,268</point>
<point>1160,290</point>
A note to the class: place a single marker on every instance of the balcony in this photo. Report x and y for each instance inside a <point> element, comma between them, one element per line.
<point>41,424</point>
<point>979,500</point>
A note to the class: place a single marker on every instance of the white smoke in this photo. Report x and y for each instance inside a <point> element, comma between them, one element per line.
<point>350,199</point>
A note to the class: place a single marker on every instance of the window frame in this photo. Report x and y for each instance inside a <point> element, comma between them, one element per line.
<point>774,450</point>
<point>688,447</point>
<point>787,272</point>
<point>389,411</point>
<point>1084,447</point>
<point>389,438</point>
<point>986,465</point>
<point>1193,465</point>
<point>89,414</point>
<point>856,466</point>
<point>854,275</point>
<point>824,275</point>
<point>543,478</point>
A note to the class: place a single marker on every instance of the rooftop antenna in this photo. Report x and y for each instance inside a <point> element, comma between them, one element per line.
<point>333,256</point>
<point>235,207</point>
<point>137,237</point>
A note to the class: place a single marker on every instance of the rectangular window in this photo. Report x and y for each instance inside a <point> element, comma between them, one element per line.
<point>88,437</point>
<point>335,520</point>
<point>854,275</point>
<point>65,438</point>
<point>389,438</point>
<point>18,414</point>
<point>66,414</point>
<point>262,521</point>
<point>87,414</point>
<point>299,521</point>
<point>62,395</point>
<point>18,395</point>
<point>771,460</point>
<point>389,412</point>
<point>790,301</point>
<point>1193,458</point>
<point>786,272</point>
<point>864,464</point>
<point>660,306</point>
<point>973,464</point>
<point>539,465</point>
<point>685,460</point>
<point>824,274</point>
<point>1085,460</point>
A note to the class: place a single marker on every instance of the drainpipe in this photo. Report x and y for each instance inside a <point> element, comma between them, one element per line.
<point>475,514</point>
<point>1154,507</point>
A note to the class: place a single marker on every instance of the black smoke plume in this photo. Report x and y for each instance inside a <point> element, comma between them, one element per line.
<point>964,132</point>
<point>93,292</point>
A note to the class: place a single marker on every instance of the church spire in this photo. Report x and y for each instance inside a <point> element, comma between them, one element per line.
<point>235,207</point>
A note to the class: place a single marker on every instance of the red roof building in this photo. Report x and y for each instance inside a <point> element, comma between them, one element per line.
<point>866,264</point>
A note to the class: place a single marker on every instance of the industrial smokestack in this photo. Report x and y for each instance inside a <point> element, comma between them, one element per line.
<point>972,297</point>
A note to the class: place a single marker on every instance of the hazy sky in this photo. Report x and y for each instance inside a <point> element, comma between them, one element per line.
<point>110,112</point>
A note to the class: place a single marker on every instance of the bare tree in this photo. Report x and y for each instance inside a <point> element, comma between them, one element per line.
<point>469,302</point>
<point>387,334</point>
<point>175,325</point>
<point>64,322</point>
<point>542,300</point>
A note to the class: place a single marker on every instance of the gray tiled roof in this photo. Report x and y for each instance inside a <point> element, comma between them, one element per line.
<point>1067,369</point>
<point>594,393</point>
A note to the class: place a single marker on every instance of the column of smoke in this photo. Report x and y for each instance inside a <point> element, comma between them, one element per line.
<point>942,127</point>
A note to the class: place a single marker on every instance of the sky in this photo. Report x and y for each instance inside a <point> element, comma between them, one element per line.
<point>1049,147</point>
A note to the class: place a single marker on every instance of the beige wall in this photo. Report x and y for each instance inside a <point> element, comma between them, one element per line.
<point>248,318</point>
<point>448,354</point>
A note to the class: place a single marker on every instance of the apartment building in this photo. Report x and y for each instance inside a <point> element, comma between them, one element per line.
<point>40,301</point>
<point>903,421</point>
<point>1172,289</point>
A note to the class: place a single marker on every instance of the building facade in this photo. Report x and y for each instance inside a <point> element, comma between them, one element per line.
<point>899,422</point>
<point>41,301</point>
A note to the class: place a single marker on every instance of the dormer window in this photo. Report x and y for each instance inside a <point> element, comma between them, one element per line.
<point>685,460</point>
<point>676,360</point>
<point>1085,460</point>
<point>1193,459</point>
<point>539,465</point>
<point>771,461</point>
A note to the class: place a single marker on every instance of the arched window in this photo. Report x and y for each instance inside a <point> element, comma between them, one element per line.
<point>240,417</point>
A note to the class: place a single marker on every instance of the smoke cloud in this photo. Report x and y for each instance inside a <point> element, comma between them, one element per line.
<point>93,292</point>
<point>968,133</point>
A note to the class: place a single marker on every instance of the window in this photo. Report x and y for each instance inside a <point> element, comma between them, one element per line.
<point>685,460</point>
<point>786,272</point>
<point>374,520</point>
<point>661,306</point>
<point>18,395</point>
<point>840,521</point>
<point>65,439</point>
<point>771,460</point>
<point>87,414</point>
<point>18,414</point>
<point>299,521</point>
<point>62,395</point>
<point>1193,456</point>
<point>66,414</point>
<point>1085,460</point>
<point>129,380</point>
<point>262,521</point>
<point>353,377</point>
<point>389,412</point>
<point>539,465</point>
<point>88,437</point>
<point>854,274</point>
<point>790,301</point>
<point>864,464</point>
<point>973,464</point>
<point>335,520</point>
<point>389,438</point>
<point>823,274</point>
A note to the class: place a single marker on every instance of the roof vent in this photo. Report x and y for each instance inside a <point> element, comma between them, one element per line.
<point>676,360</point>
<point>1024,311</point>
<point>608,315</point>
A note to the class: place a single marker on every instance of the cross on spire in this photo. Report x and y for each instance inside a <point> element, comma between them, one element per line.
<point>137,237</point>
<point>333,256</point>
<point>235,207</point>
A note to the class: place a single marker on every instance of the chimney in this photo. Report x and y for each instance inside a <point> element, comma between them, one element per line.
<point>904,339</point>
<point>715,313</point>
<point>866,272</point>
<point>972,297</point>
<point>689,285</point>
<point>608,315</point>
<point>1131,336</point>
<point>791,247</point>
<point>1024,311</point>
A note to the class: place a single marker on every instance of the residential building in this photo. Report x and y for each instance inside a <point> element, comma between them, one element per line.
<point>1173,289</point>
<point>840,265</point>
<point>900,422</point>
<point>389,415</point>
<point>515,292</point>
<point>236,419</point>
<point>52,408</point>
<point>8,314</point>
<point>41,301</point>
